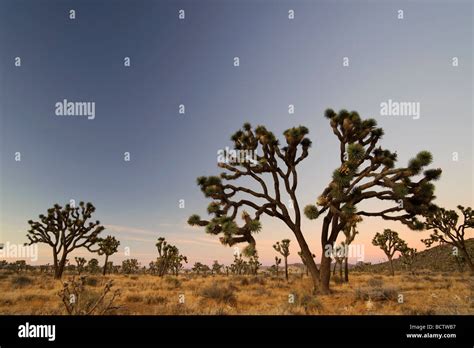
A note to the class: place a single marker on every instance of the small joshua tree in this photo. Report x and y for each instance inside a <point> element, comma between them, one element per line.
<point>283,248</point>
<point>254,264</point>
<point>216,267</point>
<point>65,229</point>
<point>107,246</point>
<point>390,243</point>
<point>169,258</point>
<point>93,266</point>
<point>81,262</point>
<point>239,265</point>
<point>446,229</point>
<point>408,258</point>
<point>197,268</point>
<point>277,264</point>
<point>130,266</point>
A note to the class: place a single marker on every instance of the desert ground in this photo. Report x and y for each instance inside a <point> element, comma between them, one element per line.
<point>426,293</point>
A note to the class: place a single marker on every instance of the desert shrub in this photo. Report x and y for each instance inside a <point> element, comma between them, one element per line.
<point>133,298</point>
<point>375,282</point>
<point>381,293</point>
<point>21,281</point>
<point>91,281</point>
<point>134,277</point>
<point>244,281</point>
<point>88,302</point>
<point>172,282</point>
<point>257,280</point>
<point>156,300</point>
<point>219,293</point>
<point>309,302</point>
<point>336,279</point>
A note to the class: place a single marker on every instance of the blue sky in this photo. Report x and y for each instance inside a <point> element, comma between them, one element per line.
<point>190,62</point>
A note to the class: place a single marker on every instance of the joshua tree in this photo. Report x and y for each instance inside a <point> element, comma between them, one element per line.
<point>65,229</point>
<point>274,170</point>
<point>197,268</point>
<point>20,266</point>
<point>390,243</point>
<point>349,232</point>
<point>81,262</point>
<point>408,258</point>
<point>216,267</point>
<point>446,229</point>
<point>107,246</point>
<point>169,258</point>
<point>254,264</point>
<point>130,266</point>
<point>283,248</point>
<point>93,266</point>
<point>368,173</point>
<point>277,264</point>
<point>239,265</point>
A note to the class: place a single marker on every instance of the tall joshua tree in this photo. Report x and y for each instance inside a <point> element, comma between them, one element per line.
<point>446,229</point>
<point>283,248</point>
<point>408,258</point>
<point>390,243</point>
<point>267,182</point>
<point>107,246</point>
<point>367,173</point>
<point>65,229</point>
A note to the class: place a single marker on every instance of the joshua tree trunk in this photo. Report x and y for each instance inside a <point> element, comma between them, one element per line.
<point>346,269</point>
<point>334,269</point>
<point>286,268</point>
<point>105,264</point>
<point>55,265</point>
<point>59,267</point>
<point>467,257</point>
<point>340,270</point>
<point>392,271</point>
<point>325,273</point>
<point>308,257</point>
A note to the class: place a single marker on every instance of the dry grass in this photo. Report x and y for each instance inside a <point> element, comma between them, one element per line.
<point>426,293</point>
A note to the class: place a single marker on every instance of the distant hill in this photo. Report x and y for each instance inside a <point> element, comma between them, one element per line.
<point>437,258</point>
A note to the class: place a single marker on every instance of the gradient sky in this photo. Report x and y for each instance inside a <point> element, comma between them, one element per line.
<point>191,62</point>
